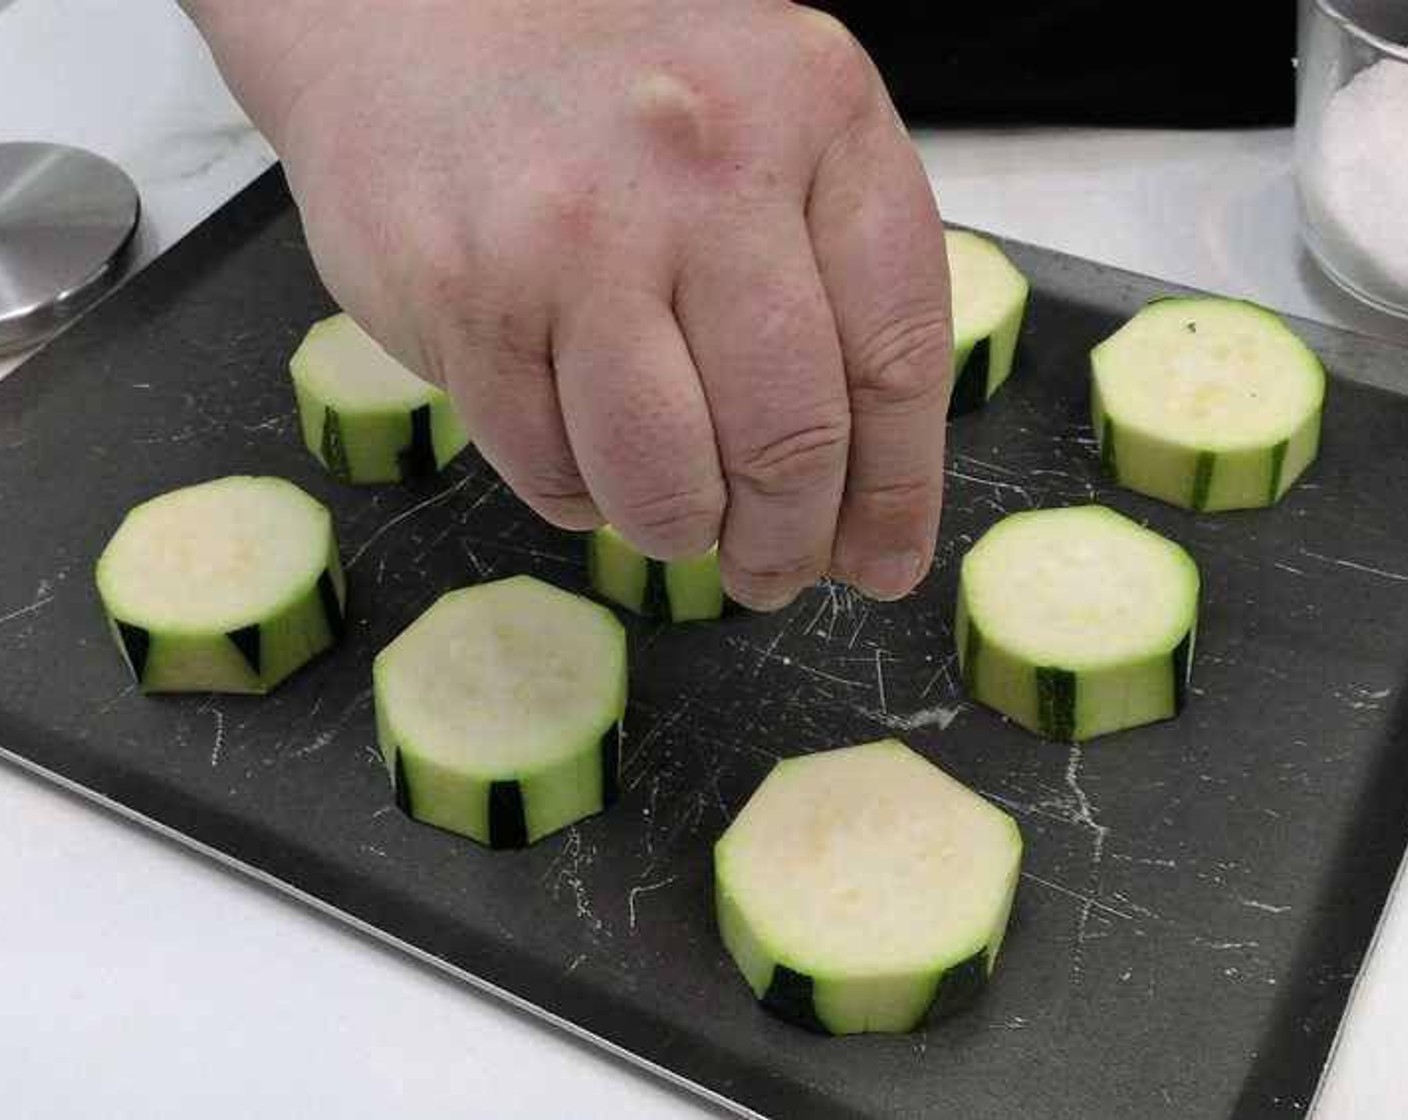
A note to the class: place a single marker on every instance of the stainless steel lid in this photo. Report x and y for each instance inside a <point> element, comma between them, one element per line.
<point>66,216</point>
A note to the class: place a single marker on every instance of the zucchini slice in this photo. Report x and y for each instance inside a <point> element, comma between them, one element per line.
<point>860,888</point>
<point>499,711</point>
<point>1077,622</point>
<point>686,590</point>
<point>989,300</point>
<point>1209,404</point>
<point>227,586</point>
<point>364,415</point>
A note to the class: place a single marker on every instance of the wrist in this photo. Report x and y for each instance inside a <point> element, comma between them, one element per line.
<point>264,51</point>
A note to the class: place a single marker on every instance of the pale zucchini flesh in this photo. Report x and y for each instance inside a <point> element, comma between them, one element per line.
<point>225,586</point>
<point>1205,403</point>
<point>863,889</point>
<point>365,416</point>
<point>499,711</point>
<point>687,590</point>
<point>989,301</point>
<point>1077,622</point>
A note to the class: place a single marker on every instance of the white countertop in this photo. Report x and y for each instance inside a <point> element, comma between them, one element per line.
<point>142,981</point>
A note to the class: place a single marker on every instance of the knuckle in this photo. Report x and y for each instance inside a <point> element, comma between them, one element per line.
<point>574,517</point>
<point>896,507</point>
<point>560,498</point>
<point>837,61</point>
<point>787,318</point>
<point>675,523</point>
<point>904,362</point>
<point>768,585</point>
<point>561,486</point>
<point>898,501</point>
<point>798,461</point>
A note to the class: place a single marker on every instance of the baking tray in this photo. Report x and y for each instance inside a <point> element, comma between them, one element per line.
<point>1197,895</point>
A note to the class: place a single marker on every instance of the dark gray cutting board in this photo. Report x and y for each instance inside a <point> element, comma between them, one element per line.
<point>1197,895</point>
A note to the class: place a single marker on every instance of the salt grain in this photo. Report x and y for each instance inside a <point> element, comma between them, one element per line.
<point>1356,186</point>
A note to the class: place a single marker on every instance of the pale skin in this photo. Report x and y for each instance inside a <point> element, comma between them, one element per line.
<point>676,260</point>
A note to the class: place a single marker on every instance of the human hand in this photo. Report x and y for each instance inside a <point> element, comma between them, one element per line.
<point>676,260</point>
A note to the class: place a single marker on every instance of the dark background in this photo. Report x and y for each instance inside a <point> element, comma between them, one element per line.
<point>1082,61</point>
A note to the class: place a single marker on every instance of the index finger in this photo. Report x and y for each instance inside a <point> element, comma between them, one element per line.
<point>879,244</point>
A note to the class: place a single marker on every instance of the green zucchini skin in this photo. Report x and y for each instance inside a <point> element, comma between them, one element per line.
<point>401,785</point>
<point>970,386</point>
<point>381,448</point>
<point>1182,670</point>
<point>611,766</point>
<point>330,596</point>
<point>255,591</point>
<point>1201,480</point>
<point>508,807</point>
<point>1068,702</point>
<point>989,304</point>
<point>839,987</point>
<point>688,590</point>
<point>262,660</point>
<point>505,804</point>
<point>418,459</point>
<point>997,678</point>
<point>1058,690</point>
<point>247,640</point>
<point>407,430</point>
<point>507,778</point>
<point>1109,457</point>
<point>789,997</point>
<point>961,985</point>
<point>508,823</point>
<point>656,601</point>
<point>1221,475</point>
<point>1056,702</point>
<point>136,643</point>
<point>970,648</point>
<point>331,450</point>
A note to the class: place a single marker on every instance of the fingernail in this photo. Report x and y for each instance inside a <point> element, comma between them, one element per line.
<point>763,604</point>
<point>889,577</point>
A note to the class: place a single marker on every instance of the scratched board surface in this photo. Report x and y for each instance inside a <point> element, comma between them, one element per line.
<point>1197,896</point>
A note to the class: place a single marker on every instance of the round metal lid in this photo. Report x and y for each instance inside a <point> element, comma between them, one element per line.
<point>66,216</point>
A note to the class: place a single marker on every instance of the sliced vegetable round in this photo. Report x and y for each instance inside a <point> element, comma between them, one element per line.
<point>676,590</point>
<point>1077,622</point>
<point>228,586</point>
<point>860,888</point>
<point>364,415</point>
<point>989,299</point>
<point>499,711</point>
<point>1210,404</point>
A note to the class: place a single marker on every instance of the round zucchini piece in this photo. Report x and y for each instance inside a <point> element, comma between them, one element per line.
<point>1210,404</point>
<point>1077,622</point>
<point>499,711</point>
<point>863,887</point>
<point>364,415</point>
<point>989,300</point>
<point>685,590</point>
<point>227,586</point>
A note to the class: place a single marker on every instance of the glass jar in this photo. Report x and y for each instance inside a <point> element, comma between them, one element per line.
<point>1352,144</point>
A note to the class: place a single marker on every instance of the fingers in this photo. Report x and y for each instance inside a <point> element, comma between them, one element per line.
<point>754,313</point>
<point>498,367</point>
<point>638,420</point>
<point>879,245</point>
